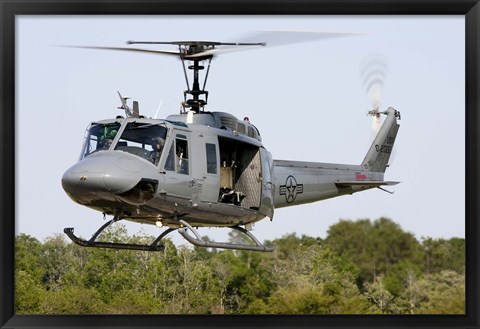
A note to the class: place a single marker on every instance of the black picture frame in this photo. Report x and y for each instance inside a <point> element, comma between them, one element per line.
<point>10,8</point>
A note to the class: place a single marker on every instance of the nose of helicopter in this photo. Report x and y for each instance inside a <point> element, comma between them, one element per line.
<point>102,179</point>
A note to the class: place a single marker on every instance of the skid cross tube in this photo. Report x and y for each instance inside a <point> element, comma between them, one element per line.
<point>197,241</point>
<point>154,246</point>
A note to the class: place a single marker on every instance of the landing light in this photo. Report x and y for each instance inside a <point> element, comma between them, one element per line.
<point>159,223</point>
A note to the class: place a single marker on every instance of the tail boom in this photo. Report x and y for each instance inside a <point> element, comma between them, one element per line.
<point>298,182</point>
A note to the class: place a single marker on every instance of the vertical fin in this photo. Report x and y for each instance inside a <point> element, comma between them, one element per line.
<point>379,153</point>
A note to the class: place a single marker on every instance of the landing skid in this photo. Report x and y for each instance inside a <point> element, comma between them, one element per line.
<point>154,246</point>
<point>157,246</point>
<point>197,241</point>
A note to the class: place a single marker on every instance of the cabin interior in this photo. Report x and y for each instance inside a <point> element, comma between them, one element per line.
<point>240,174</point>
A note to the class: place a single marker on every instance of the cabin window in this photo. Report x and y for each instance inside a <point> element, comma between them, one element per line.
<point>181,152</point>
<point>177,159</point>
<point>211,150</point>
<point>144,140</point>
<point>99,137</point>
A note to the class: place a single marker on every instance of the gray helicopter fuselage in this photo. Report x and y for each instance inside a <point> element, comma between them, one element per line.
<point>208,173</point>
<point>212,170</point>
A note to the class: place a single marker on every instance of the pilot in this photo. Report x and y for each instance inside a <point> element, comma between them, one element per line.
<point>158,143</point>
<point>104,144</point>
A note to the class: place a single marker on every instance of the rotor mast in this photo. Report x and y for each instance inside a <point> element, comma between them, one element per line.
<point>195,103</point>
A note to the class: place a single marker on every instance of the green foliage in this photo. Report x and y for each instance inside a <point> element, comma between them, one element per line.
<point>375,247</point>
<point>306,300</point>
<point>72,300</point>
<point>395,280</point>
<point>444,254</point>
<point>444,293</point>
<point>361,267</point>
<point>29,293</point>
<point>27,255</point>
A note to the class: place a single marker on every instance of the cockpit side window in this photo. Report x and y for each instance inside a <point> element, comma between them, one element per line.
<point>144,140</point>
<point>170,163</point>
<point>99,137</point>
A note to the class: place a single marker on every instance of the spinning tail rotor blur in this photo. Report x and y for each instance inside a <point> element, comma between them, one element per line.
<point>373,72</point>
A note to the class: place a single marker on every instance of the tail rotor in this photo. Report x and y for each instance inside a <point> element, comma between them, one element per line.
<point>373,73</point>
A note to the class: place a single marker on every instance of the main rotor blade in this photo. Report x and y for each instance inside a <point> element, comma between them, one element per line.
<point>152,51</point>
<point>206,53</point>
<point>270,37</point>
<point>287,37</point>
<point>273,38</point>
<point>198,43</point>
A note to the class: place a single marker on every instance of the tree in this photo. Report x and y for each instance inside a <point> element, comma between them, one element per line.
<point>243,278</point>
<point>400,275</point>
<point>412,296</point>
<point>381,299</point>
<point>352,239</point>
<point>444,293</point>
<point>441,254</point>
<point>336,276</point>
<point>29,271</point>
<point>57,259</point>
<point>374,247</point>
<point>28,251</point>
<point>295,300</point>
<point>72,300</point>
<point>29,293</point>
<point>199,288</point>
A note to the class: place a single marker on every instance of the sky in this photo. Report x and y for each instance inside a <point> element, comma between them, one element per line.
<point>308,100</point>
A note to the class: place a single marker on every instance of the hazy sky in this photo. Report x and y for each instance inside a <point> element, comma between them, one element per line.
<point>307,99</point>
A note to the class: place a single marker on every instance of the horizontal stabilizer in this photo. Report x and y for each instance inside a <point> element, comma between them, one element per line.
<point>365,183</point>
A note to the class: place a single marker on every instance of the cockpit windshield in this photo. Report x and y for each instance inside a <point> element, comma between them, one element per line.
<point>99,137</point>
<point>145,140</point>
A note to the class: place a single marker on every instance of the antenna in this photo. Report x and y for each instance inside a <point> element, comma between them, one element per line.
<point>158,108</point>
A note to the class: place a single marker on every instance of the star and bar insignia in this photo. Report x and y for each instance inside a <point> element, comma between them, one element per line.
<point>291,189</point>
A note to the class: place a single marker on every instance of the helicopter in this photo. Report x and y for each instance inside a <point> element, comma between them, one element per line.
<point>203,168</point>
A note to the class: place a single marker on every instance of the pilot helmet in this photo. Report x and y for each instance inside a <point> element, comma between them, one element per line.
<point>158,141</point>
<point>112,133</point>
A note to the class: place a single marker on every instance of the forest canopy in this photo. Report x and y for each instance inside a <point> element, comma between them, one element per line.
<point>360,267</point>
